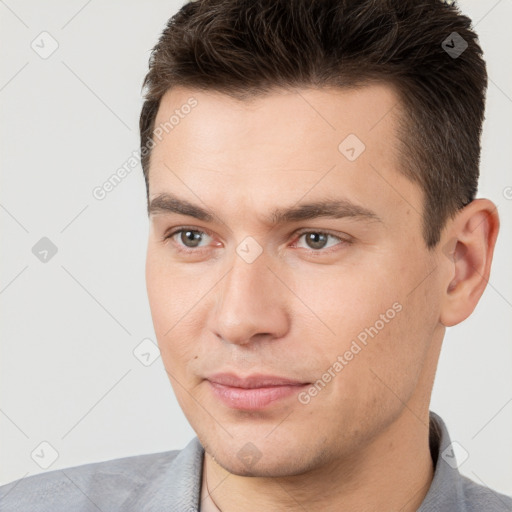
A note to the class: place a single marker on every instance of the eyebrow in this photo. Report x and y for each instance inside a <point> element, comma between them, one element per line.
<point>334,208</point>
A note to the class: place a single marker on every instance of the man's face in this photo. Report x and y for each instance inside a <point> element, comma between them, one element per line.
<point>344,305</point>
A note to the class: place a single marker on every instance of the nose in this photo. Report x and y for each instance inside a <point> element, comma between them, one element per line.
<point>250,304</point>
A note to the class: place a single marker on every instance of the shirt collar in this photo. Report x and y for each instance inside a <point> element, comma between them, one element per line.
<point>176,486</point>
<point>446,491</point>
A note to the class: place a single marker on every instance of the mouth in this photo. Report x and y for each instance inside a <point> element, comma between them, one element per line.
<point>253,392</point>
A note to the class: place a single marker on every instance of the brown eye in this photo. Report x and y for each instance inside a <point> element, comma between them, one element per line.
<point>190,241</point>
<point>316,240</point>
<point>190,238</point>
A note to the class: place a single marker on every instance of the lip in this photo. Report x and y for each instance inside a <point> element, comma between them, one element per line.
<point>252,392</point>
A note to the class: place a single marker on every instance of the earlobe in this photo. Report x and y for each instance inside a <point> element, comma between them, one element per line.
<point>468,256</point>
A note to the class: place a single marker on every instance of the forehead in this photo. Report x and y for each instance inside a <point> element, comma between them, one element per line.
<point>287,122</point>
<point>275,148</point>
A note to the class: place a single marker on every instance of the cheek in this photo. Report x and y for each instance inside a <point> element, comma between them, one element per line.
<point>345,300</point>
<point>170,293</point>
<point>171,299</point>
<point>389,367</point>
<point>369,320</point>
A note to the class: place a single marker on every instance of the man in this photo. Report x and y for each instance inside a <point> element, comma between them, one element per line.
<point>313,231</point>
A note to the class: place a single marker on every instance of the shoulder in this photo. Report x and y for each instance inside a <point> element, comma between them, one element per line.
<point>100,485</point>
<point>479,497</point>
<point>450,489</point>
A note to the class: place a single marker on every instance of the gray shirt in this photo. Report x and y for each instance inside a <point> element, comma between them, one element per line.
<point>171,481</point>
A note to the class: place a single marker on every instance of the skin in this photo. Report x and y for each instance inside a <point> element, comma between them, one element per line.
<point>361,443</point>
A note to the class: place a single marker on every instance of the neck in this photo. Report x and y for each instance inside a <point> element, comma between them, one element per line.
<point>394,473</point>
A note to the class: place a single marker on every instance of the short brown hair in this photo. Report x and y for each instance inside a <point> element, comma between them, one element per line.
<point>246,48</point>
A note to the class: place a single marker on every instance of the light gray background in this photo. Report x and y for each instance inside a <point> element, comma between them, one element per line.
<point>69,326</point>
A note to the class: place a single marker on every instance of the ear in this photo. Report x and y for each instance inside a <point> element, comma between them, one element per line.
<point>467,247</point>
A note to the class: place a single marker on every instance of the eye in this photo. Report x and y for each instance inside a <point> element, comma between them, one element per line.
<point>188,238</point>
<point>318,240</point>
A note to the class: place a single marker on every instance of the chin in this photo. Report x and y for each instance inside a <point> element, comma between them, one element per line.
<point>267,460</point>
<point>282,468</point>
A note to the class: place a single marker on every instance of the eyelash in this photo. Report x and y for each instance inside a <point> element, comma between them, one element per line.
<point>297,234</point>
